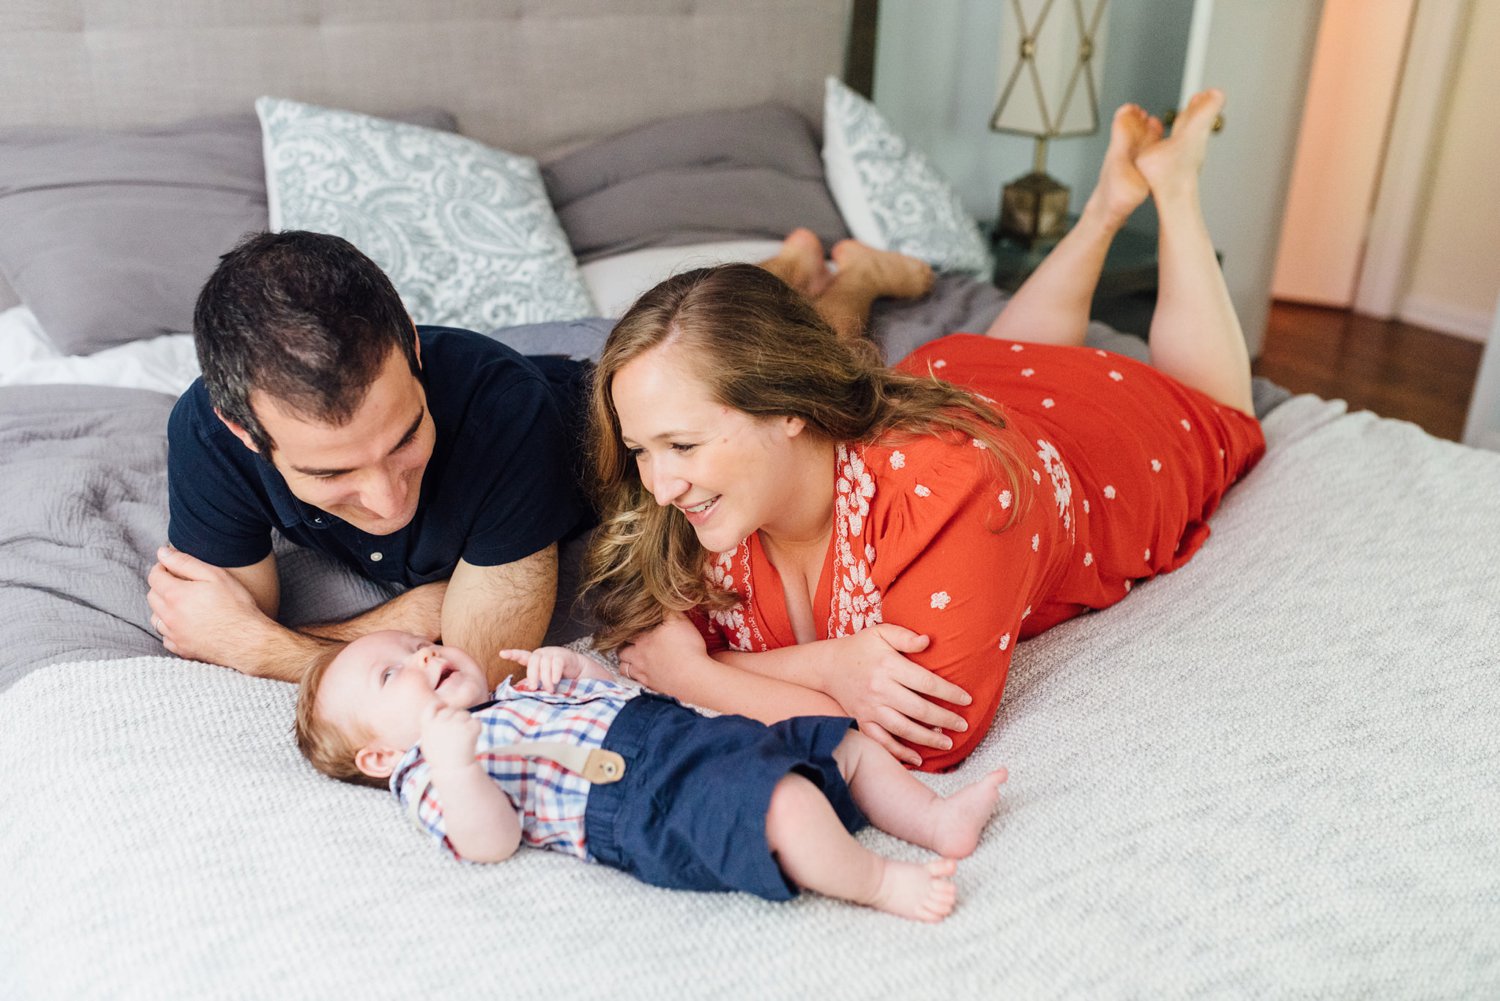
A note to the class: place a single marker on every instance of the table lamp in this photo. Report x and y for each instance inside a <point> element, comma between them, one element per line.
<point>1051,55</point>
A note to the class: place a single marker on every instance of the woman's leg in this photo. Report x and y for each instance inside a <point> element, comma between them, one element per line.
<point>1195,334</point>
<point>817,853</point>
<point>1052,305</point>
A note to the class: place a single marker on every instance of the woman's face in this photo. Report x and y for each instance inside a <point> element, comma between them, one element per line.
<point>723,469</point>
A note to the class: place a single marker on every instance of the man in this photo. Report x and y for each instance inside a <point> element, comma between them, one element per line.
<point>427,457</point>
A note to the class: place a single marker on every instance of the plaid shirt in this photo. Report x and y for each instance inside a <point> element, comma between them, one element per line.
<point>549,798</point>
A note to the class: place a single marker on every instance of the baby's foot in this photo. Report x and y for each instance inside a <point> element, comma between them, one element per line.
<point>1171,166</point>
<point>916,891</point>
<point>803,266</point>
<point>887,273</point>
<point>958,820</point>
<point>1122,188</point>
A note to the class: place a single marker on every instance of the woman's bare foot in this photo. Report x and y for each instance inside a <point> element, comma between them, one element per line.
<point>1122,187</point>
<point>958,820</point>
<point>885,273</point>
<point>801,264</point>
<point>1171,166</point>
<point>916,891</point>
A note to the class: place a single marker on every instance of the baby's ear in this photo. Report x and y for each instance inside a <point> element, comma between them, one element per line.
<point>377,762</point>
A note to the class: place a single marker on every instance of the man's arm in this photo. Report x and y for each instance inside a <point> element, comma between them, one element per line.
<point>227,616</point>
<point>489,609</point>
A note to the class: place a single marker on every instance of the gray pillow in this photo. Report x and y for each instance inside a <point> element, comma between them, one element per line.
<point>108,236</point>
<point>708,176</point>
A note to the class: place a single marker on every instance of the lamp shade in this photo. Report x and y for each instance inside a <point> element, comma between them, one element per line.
<point>1051,58</point>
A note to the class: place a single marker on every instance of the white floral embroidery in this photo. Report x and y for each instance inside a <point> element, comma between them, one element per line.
<point>1085,505</point>
<point>1101,354</point>
<point>1127,585</point>
<point>1026,614</point>
<point>1115,375</point>
<point>1062,483</point>
<point>1088,559</point>
<point>1185,425</point>
<point>921,491</point>
<point>897,460</point>
<point>1109,492</point>
<point>1148,556</point>
<point>1049,403</point>
<point>1156,465</point>
<point>1028,372</point>
<point>940,600</point>
<point>1005,641</point>
<point>940,363</point>
<point>740,629</point>
<point>1036,477</point>
<point>856,600</point>
<point>1005,500</point>
<point>1221,453</point>
<point>977,443</point>
<point>1017,347</point>
<point>1036,540</point>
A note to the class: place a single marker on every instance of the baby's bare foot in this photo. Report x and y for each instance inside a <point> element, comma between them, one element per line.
<point>958,820</point>
<point>1122,188</point>
<point>800,263</point>
<point>915,891</point>
<point>886,272</point>
<point>1171,166</point>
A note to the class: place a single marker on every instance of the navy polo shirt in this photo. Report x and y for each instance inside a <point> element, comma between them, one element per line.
<point>501,485</point>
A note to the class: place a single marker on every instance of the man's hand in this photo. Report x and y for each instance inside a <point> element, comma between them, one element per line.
<point>449,736</point>
<point>546,666</point>
<point>651,657</point>
<point>202,612</point>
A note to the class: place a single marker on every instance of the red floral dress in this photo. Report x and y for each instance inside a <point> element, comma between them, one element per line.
<point>1123,466</point>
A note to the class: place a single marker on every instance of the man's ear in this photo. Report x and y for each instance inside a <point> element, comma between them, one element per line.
<point>237,430</point>
<point>793,426</point>
<point>377,762</point>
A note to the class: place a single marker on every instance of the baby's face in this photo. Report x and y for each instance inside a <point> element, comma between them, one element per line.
<point>382,682</point>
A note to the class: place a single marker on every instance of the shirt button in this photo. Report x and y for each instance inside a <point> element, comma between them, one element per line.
<point>376,557</point>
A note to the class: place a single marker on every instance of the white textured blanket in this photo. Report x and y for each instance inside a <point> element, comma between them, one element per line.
<point>1270,774</point>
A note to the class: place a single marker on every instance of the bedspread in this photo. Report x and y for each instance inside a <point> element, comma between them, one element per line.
<point>1268,774</point>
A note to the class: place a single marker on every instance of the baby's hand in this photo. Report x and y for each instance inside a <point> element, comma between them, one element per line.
<point>448,736</point>
<point>546,666</point>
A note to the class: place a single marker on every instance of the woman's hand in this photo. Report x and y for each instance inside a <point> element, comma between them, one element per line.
<point>652,658</point>
<point>889,695</point>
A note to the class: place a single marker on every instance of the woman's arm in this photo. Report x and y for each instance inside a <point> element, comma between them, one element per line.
<point>673,659</point>
<point>870,675</point>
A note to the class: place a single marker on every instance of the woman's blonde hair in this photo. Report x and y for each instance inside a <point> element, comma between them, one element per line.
<point>762,349</point>
<point>329,749</point>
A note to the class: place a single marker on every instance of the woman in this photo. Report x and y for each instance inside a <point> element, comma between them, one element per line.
<point>851,539</point>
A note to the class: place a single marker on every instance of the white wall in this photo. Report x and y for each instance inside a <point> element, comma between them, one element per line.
<point>1455,274</point>
<point>936,80</point>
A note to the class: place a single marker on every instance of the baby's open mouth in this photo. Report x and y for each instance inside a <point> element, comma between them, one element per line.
<point>444,675</point>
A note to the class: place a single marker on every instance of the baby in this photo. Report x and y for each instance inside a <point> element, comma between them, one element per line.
<point>672,797</point>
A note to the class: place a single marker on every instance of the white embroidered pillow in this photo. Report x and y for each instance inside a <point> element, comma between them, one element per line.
<point>465,232</point>
<point>890,195</point>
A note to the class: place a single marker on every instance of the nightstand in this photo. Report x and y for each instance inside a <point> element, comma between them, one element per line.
<point>1126,295</point>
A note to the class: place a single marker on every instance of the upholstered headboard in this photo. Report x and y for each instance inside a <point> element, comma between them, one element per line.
<point>529,76</point>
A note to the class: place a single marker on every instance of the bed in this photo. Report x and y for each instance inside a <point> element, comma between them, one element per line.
<point>1271,773</point>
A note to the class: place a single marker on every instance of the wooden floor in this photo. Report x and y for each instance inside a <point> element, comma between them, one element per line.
<point>1390,367</point>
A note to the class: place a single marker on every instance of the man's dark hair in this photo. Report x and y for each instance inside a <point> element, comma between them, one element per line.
<point>303,318</point>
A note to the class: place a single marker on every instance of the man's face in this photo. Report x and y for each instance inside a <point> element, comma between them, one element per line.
<point>367,471</point>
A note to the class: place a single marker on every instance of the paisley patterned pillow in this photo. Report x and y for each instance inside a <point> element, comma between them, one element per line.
<point>465,232</point>
<point>890,195</point>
